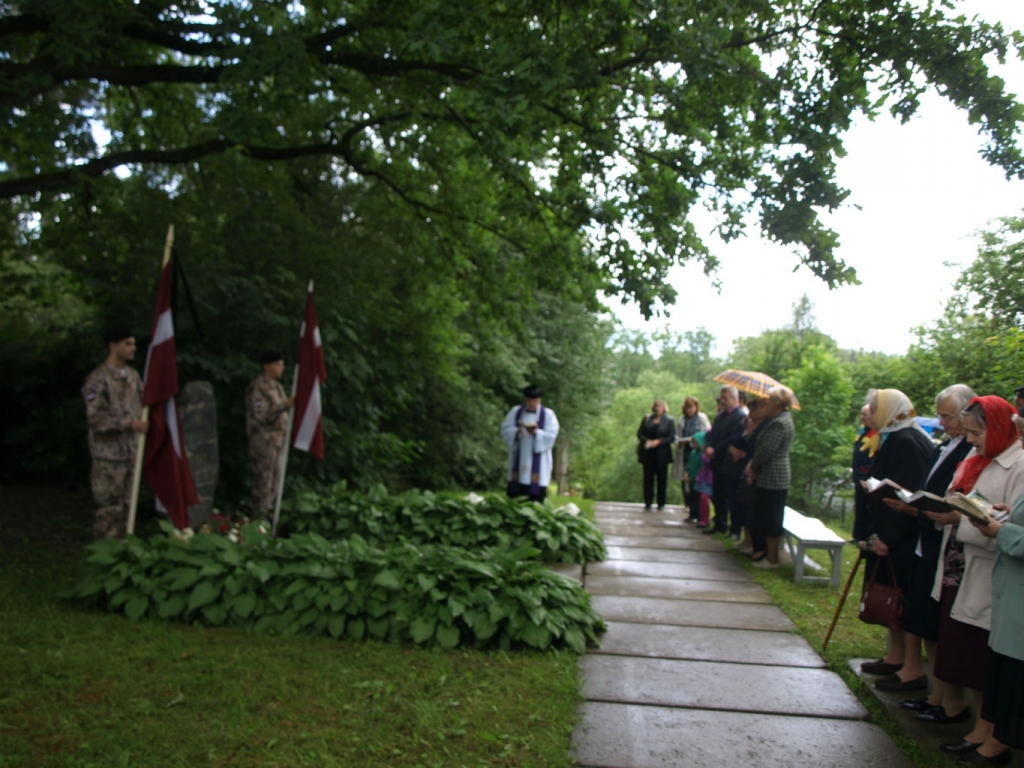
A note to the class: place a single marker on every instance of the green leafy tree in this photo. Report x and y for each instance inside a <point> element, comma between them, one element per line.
<point>600,115</point>
<point>777,351</point>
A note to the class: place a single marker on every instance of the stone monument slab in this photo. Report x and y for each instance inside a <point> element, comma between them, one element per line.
<point>198,409</point>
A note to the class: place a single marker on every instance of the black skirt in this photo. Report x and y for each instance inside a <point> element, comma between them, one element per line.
<point>920,611</point>
<point>1004,699</point>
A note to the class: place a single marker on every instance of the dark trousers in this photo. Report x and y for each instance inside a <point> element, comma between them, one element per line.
<point>524,490</point>
<point>692,501</point>
<point>720,498</point>
<point>652,470</point>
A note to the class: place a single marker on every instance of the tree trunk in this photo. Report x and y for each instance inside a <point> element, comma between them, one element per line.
<point>562,463</point>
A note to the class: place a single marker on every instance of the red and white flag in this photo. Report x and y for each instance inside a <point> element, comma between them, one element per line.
<point>165,465</point>
<point>307,429</point>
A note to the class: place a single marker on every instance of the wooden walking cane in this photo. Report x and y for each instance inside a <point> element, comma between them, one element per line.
<point>137,477</point>
<point>842,599</point>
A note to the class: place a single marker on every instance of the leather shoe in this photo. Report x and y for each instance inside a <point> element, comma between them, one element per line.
<point>916,705</point>
<point>976,758</point>
<point>709,531</point>
<point>938,716</point>
<point>880,667</point>
<point>893,683</point>
<point>958,748</point>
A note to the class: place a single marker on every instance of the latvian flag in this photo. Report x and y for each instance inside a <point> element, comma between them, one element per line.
<point>307,432</point>
<point>165,465</point>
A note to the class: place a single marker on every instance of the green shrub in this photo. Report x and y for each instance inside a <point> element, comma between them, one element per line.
<point>423,594</point>
<point>421,517</point>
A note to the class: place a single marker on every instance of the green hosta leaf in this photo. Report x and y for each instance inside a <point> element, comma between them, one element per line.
<point>204,594</point>
<point>388,580</point>
<point>119,598</point>
<point>537,637</point>
<point>183,578</point>
<point>244,604</point>
<point>447,637</point>
<point>426,582</point>
<point>172,606</point>
<point>136,607</point>
<point>356,629</point>
<point>216,614</point>
<point>422,629</point>
<point>336,625</point>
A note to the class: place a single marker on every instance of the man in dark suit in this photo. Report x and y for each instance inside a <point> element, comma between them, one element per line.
<point>729,417</point>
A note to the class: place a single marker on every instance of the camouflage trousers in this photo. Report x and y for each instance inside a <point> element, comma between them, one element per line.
<point>265,462</point>
<point>112,490</point>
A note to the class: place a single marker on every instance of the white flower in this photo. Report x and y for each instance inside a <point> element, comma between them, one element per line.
<point>571,509</point>
<point>183,534</point>
<point>233,536</point>
<point>475,498</point>
<point>264,528</point>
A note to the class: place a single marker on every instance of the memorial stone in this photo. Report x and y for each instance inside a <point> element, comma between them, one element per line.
<point>199,424</point>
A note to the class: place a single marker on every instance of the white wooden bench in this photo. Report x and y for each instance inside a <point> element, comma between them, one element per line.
<point>811,533</point>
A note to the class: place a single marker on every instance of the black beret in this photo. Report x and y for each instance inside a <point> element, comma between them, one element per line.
<point>116,333</point>
<point>270,357</point>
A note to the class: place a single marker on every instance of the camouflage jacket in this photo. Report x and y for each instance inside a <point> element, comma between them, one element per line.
<point>266,412</point>
<point>113,400</point>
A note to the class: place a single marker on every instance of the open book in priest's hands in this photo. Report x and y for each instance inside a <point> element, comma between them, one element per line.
<point>885,489</point>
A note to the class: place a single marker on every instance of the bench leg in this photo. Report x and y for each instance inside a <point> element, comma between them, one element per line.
<point>798,562</point>
<point>836,553</point>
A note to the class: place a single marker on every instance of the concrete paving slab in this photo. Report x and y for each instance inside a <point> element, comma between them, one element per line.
<point>736,646</point>
<point>630,506</point>
<point>696,571</point>
<point>645,530</point>
<point>703,544</point>
<point>635,736</point>
<point>678,589</point>
<point>664,521</point>
<point>651,555</point>
<point>689,613</point>
<point>709,685</point>
<point>572,570</point>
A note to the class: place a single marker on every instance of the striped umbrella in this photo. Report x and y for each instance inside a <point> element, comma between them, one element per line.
<point>751,382</point>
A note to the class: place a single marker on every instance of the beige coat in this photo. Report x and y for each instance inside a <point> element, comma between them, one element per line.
<point>1002,481</point>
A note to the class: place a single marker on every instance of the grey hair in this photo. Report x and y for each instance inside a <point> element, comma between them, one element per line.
<point>781,396</point>
<point>735,393</point>
<point>976,413</point>
<point>960,394</point>
<point>871,398</point>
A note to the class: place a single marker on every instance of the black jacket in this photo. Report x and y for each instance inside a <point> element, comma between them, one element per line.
<point>721,435</point>
<point>664,430</point>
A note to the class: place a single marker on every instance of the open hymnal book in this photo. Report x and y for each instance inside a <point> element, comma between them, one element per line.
<point>973,505</point>
<point>887,489</point>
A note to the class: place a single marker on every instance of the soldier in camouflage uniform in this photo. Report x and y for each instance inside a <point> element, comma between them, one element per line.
<point>266,421</point>
<point>113,411</point>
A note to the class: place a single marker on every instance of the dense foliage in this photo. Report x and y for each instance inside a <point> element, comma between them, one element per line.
<point>429,594</point>
<point>465,182</point>
<point>475,523</point>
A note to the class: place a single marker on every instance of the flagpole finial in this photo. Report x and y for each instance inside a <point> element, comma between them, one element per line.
<point>168,245</point>
<point>310,287</point>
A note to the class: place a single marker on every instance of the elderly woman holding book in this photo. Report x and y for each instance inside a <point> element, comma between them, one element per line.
<point>903,456</point>
<point>994,470</point>
<point>1003,704</point>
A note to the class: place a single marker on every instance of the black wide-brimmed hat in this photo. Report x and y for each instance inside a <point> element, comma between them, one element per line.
<point>532,391</point>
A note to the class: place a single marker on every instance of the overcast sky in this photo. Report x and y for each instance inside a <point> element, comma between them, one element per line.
<point>922,189</point>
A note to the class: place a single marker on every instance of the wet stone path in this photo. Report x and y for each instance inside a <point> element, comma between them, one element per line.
<point>698,668</point>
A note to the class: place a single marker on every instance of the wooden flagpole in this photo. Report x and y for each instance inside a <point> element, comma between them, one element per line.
<point>287,442</point>
<point>137,478</point>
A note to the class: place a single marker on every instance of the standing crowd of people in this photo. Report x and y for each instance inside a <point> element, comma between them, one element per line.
<point>739,464</point>
<point>962,580</point>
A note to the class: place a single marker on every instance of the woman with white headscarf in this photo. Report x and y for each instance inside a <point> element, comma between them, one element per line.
<point>903,455</point>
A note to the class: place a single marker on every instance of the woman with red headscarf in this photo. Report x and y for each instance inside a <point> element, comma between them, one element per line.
<point>963,579</point>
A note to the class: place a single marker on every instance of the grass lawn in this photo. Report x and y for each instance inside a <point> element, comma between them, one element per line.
<point>86,689</point>
<point>812,606</point>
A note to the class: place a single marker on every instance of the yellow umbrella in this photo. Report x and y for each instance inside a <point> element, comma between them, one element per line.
<point>751,382</point>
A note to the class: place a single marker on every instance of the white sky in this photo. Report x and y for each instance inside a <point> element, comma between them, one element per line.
<point>923,191</point>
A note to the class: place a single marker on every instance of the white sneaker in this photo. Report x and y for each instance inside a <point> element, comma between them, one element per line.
<point>765,565</point>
